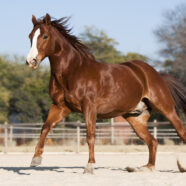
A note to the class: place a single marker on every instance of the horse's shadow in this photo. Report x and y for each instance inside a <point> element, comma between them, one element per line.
<point>22,170</point>
<point>169,171</point>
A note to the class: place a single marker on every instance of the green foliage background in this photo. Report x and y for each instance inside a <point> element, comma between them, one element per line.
<point>23,93</point>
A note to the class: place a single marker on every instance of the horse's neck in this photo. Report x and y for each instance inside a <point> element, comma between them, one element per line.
<point>66,61</point>
<point>64,65</point>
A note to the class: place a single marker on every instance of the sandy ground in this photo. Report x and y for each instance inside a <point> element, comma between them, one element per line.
<point>66,169</point>
<point>98,148</point>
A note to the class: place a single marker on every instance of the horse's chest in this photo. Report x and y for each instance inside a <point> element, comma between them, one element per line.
<point>72,102</point>
<point>57,97</point>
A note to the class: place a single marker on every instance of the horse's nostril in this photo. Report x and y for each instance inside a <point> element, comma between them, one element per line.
<point>27,62</point>
<point>35,61</point>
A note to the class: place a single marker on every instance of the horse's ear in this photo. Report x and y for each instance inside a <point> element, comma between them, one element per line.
<point>34,20</point>
<point>47,19</point>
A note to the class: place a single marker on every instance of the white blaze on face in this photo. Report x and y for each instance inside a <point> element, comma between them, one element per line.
<point>33,51</point>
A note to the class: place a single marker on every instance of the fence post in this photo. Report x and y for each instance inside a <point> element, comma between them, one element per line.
<point>112,130</point>
<point>155,130</point>
<point>78,136</point>
<point>11,134</point>
<point>5,137</point>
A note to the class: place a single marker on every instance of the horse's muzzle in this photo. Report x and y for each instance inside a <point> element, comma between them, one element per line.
<point>33,63</point>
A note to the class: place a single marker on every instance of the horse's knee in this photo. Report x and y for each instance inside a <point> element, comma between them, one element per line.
<point>152,142</point>
<point>45,128</point>
<point>90,138</point>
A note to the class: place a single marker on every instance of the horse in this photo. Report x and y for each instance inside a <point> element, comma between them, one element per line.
<point>79,83</point>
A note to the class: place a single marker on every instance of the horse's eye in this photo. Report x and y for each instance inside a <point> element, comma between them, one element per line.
<point>45,37</point>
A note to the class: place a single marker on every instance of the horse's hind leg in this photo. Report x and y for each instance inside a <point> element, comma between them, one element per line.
<point>174,119</point>
<point>139,124</point>
<point>55,115</point>
<point>165,105</point>
<point>177,124</point>
<point>167,108</point>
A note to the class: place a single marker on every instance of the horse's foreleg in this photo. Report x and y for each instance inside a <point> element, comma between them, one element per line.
<point>56,114</point>
<point>139,124</point>
<point>90,119</point>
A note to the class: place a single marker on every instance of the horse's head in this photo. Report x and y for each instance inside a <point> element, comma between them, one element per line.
<point>40,38</point>
<point>52,37</point>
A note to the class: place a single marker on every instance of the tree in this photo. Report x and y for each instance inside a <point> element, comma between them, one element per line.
<point>134,56</point>
<point>4,91</point>
<point>104,48</point>
<point>172,33</point>
<point>30,102</point>
<point>4,103</point>
<point>23,93</point>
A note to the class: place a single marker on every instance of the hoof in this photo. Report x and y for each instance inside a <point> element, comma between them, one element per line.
<point>180,167</point>
<point>89,168</point>
<point>36,161</point>
<point>140,169</point>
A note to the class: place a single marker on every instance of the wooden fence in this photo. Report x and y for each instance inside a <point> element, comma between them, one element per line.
<point>110,131</point>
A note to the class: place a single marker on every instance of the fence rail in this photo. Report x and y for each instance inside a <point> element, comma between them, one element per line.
<point>110,131</point>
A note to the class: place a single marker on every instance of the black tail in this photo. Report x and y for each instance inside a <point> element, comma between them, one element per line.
<point>178,92</point>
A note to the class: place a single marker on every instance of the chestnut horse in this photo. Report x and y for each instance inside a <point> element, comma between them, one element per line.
<point>79,83</point>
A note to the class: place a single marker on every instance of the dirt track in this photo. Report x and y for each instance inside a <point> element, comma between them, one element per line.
<point>67,170</point>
